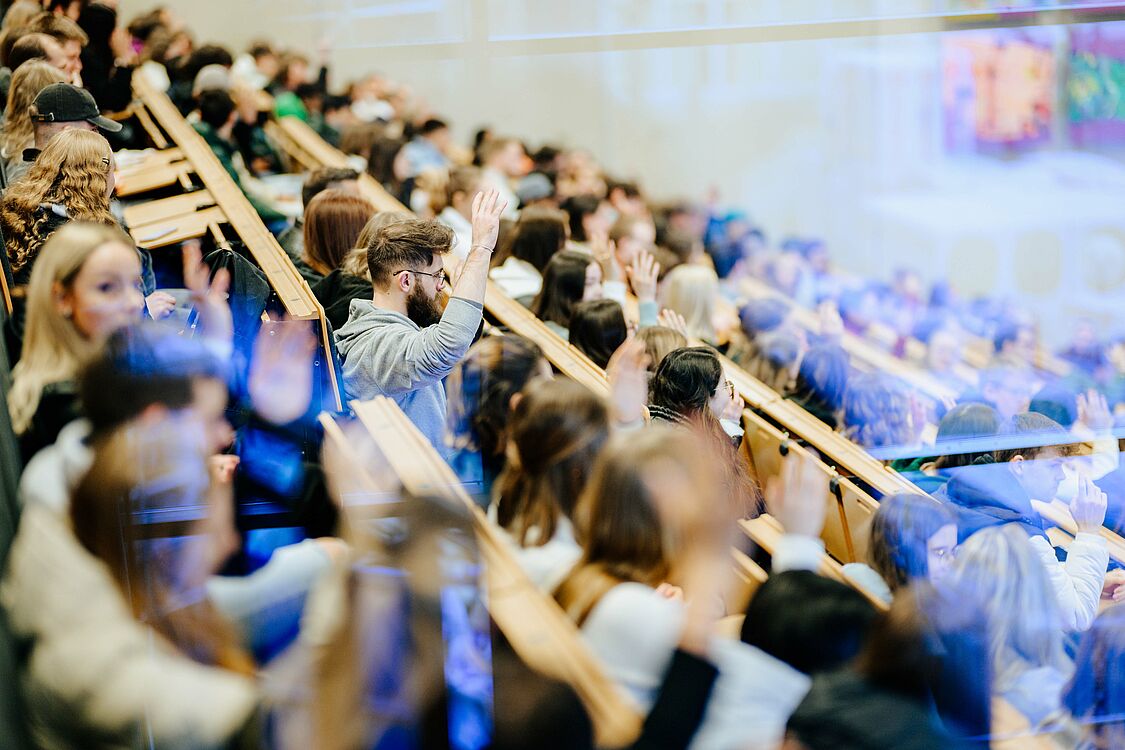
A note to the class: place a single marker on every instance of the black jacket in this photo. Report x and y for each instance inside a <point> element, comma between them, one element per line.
<point>336,292</point>
<point>986,494</point>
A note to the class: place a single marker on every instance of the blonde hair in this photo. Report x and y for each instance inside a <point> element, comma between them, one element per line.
<point>20,14</point>
<point>72,171</point>
<point>356,261</point>
<point>1000,573</point>
<point>692,291</point>
<point>28,80</point>
<point>53,349</point>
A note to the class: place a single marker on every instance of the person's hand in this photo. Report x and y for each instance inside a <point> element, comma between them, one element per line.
<point>487,210</point>
<point>668,591</point>
<point>734,408</point>
<point>221,468</point>
<point>605,253</point>
<point>1113,587</point>
<point>208,296</point>
<point>1088,506</point>
<point>643,275</point>
<point>672,319</point>
<point>160,305</point>
<point>281,372</point>
<point>627,373</point>
<point>798,498</point>
<point>830,324</point>
<point>1093,411</point>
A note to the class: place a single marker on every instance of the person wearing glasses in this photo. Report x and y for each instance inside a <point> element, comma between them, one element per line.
<point>400,343</point>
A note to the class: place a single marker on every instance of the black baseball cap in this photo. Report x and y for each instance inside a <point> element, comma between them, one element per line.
<point>62,102</point>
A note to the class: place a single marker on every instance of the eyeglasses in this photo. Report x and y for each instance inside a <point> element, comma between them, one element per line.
<point>730,388</point>
<point>441,276</point>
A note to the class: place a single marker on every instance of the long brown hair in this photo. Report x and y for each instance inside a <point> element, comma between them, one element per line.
<point>27,81</point>
<point>624,535</point>
<point>72,171</point>
<point>333,221</point>
<point>557,430</point>
<point>134,469</point>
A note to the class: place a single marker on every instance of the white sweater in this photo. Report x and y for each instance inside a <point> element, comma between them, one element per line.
<point>97,678</point>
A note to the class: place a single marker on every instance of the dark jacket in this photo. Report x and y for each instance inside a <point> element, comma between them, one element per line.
<point>58,407</point>
<point>224,151</point>
<point>843,711</point>
<point>986,494</point>
<point>336,292</point>
<point>110,85</point>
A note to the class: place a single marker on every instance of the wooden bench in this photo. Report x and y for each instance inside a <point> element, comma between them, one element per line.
<point>187,216</point>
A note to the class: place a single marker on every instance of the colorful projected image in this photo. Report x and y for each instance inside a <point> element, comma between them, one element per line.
<point>1095,84</point>
<point>998,91</point>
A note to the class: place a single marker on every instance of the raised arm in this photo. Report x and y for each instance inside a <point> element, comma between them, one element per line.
<point>487,210</point>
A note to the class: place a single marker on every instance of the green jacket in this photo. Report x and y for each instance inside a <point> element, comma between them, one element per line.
<point>224,151</point>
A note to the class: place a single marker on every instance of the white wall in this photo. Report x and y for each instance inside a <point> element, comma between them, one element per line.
<point>838,138</point>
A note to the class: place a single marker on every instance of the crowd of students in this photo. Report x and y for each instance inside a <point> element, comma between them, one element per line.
<point>620,507</point>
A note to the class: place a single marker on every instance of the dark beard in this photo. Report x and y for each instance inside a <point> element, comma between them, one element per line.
<point>422,310</point>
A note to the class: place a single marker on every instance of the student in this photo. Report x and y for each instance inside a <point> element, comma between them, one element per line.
<point>822,379</point>
<point>173,674</point>
<point>57,107</point>
<point>963,438</point>
<point>217,118</point>
<point>326,178</point>
<point>67,33</point>
<point>659,342</point>
<point>569,278</point>
<point>689,387</point>
<point>72,180</point>
<point>597,329</point>
<point>108,61</point>
<point>1094,694</point>
<point>401,344</point>
<point>333,221</point>
<point>37,47</point>
<point>879,412</point>
<point>19,128</point>
<point>464,183</point>
<point>427,150</point>
<point>557,430</point>
<point>502,161</point>
<point>540,234</point>
<point>693,291</point>
<point>913,538</point>
<point>84,287</point>
<point>1001,493</point>
<point>1000,573</point>
<point>483,389</point>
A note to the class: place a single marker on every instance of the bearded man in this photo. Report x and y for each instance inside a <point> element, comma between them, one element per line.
<point>400,344</point>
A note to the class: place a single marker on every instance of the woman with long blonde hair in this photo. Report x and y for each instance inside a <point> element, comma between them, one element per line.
<point>84,287</point>
<point>692,292</point>
<point>71,180</point>
<point>19,130</point>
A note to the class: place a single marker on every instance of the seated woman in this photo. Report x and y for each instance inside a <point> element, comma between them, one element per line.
<point>483,390</point>
<point>997,572</point>
<point>822,377</point>
<point>333,222</point>
<point>879,412</point>
<point>653,509</point>
<point>540,233</point>
<point>1093,696</point>
<point>71,180</point>
<point>159,658</point>
<point>597,329</point>
<point>557,430</point>
<point>690,389</point>
<point>694,292</point>
<point>85,285</point>
<point>913,538</point>
<point>569,278</point>
<point>659,341</point>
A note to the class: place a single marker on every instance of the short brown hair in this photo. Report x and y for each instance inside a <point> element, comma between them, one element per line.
<point>59,27</point>
<point>406,244</point>
<point>333,221</point>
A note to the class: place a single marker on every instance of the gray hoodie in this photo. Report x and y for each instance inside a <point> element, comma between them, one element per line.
<point>385,353</point>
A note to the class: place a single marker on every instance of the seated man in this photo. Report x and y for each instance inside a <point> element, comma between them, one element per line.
<point>1002,492</point>
<point>401,344</point>
<point>58,107</point>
